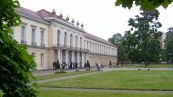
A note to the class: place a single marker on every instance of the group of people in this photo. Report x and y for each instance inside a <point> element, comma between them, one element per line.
<point>99,66</point>
<point>71,65</point>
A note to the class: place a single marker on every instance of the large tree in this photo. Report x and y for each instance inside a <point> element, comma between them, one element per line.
<point>169,45</point>
<point>143,38</point>
<point>15,63</point>
<point>117,40</point>
<point>144,4</point>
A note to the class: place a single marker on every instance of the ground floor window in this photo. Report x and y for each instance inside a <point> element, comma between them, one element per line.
<point>42,59</point>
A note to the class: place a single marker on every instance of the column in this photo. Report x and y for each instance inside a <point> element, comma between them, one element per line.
<point>67,57</point>
<point>73,57</point>
<point>60,56</point>
<point>68,39</point>
<point>83,59</point>
<point>78,57</point>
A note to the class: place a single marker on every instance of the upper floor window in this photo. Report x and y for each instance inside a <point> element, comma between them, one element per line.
<point>76,41</point>
<point>58,36</point>
<point>23,33</point>
<point>65,39</point>
<point>80,42</point>
<point>42,38</point>
<point>33,38</point>
<point>71,40</point>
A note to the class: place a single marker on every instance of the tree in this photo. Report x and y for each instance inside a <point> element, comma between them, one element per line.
<point>87,66</point>
<point>117,40</point>
<point>110,64</point>
<point>16,65</point>
<point>144,4</point>
<point>169,45</point>
<point>143,38</point>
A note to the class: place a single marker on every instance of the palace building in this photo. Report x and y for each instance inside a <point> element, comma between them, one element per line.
<point>51,37</point>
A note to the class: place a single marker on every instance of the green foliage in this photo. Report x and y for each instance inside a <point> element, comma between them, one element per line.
<point>87,65</point>
<point>142,41</point>
<point>144,4</point>
<point>15,63</point>
<point>110,63</point>
<point>57,65</point>
<point>118,40</point>
<point>169,45</point>
<point>1,93</point>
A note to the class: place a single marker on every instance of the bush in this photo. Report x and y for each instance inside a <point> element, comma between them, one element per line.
<point>16,63</point>
<point>87,66</point>
<point>110,64</point>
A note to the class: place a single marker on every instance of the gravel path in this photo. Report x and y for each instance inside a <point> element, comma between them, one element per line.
<point>109,90</point>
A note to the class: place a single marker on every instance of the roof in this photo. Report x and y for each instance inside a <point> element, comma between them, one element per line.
<point>96,38</point>
<point>30,14</point>
<point>46,14</point>
<point>42,14</point>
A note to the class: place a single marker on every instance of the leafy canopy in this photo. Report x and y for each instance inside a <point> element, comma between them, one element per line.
<point>143,38</point>
<point>169,44</point>
<point>144,4</point>
<point>15,63</point>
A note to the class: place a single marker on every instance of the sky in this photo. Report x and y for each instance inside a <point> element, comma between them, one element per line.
<point>100,17</point>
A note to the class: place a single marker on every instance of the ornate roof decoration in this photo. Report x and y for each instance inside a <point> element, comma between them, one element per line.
<point>61,15</point>
<point>53,12</point>
<point>67,18</point>
<point>82,25</point>
<point>77,23</point>
<point>72,21</point>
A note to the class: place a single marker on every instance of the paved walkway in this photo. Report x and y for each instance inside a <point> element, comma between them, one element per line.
<point>110,90</point>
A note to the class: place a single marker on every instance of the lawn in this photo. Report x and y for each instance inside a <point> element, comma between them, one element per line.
<point>49,76</point>
<point>61,93</point>
<point>143,66</point>
<point>141,80</point>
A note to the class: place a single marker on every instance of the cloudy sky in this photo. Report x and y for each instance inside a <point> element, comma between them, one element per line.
<point>100,17</point>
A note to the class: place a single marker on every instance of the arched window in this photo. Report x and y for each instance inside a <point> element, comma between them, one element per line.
<point>65,39</point>
<point>76,41</point>
<point>58,37</point>
<point>71,40</point>
<point>80,42</point>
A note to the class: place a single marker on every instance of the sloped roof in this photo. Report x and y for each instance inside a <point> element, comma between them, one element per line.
<point>44,14</point>
<point>30,14</point>
<point>96,38</point>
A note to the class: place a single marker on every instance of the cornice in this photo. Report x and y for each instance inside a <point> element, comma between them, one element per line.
<point>51,19</point>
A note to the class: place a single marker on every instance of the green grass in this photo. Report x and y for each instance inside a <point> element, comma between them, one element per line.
<point>141,80</point>
<point>49,76</point>
<point>143,66</point>
<point>61,93</point>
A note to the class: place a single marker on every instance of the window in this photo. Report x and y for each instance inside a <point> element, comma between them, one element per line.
<point>33,54</point>
<point>42,59</point>
<point>80,42</point>
<point>58,37</point>
<point>42,39</point>
<point>76,41</point>
<point>23,34</point>
<point>71,40</point>
<point>33,35</point>
<point>65,39</point>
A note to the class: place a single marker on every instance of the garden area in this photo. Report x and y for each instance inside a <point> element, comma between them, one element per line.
<point>143,66</point>
<point>64,93</point>
<point>143,80</point>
